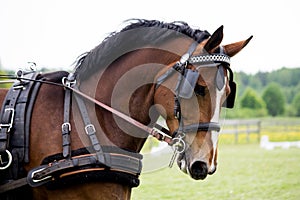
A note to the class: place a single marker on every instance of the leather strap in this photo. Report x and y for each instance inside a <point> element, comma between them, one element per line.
<point>30,104</point>
<point>13,184</point>
<point>151,131</point>
<point>119,162</point>
<point>66,126</point>
<point>90,130</point>
<point>7,117</point>
<point>208,126</point>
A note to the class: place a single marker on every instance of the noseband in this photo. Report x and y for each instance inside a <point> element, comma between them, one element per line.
<point>187,81</point>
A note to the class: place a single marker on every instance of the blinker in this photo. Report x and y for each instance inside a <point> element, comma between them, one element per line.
<point>229,102</point>
<point>190,78</point>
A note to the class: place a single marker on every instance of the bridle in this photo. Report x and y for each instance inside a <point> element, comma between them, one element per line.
<point>187,82</point>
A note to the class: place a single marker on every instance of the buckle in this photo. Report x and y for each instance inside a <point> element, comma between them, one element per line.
<point>11,120</point>
<point>90,129</point>
<point>5,162</point>
<point>67,82</point>
<point>66,127</point>
<point>34,179</point>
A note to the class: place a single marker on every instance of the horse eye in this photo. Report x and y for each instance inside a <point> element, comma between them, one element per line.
<point>200,90</point>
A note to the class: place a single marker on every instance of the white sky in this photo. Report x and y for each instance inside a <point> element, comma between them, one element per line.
<point>53,33</point>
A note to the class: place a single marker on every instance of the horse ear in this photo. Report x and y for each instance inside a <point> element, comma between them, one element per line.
<point>234,48</point>
<point>215,40</point>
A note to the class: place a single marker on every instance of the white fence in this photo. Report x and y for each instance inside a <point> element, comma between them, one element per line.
<point>266,144</point>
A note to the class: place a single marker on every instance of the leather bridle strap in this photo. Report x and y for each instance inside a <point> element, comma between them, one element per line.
<point>208,126</point>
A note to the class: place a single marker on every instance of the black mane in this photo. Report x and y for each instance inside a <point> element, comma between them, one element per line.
<point>179,26</point>
<point>137,34</point>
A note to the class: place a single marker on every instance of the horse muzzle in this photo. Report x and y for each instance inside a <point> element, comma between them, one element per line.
<point>198,170</point>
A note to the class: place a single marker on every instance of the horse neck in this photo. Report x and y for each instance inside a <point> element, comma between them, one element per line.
<point>128,86</point>
<point>112,130</point>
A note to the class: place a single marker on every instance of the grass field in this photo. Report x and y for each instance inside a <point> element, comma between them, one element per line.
<point>245,171</point>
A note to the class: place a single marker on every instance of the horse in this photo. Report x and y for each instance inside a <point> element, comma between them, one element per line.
<point>86,128</point>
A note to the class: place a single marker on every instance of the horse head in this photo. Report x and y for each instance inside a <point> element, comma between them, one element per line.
<point>191,100</point>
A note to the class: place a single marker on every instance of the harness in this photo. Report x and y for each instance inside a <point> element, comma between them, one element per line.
<point>96,162</point>
<point>14,131</point>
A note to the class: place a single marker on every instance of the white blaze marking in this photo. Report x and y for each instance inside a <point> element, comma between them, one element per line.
<point>215,118</point>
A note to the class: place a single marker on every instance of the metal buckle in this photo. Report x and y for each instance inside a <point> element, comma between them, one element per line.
<point>90,129</point>
<point>66,124</point>
<point>68,83</point>
<point>35,182</point>
<point>9,160</point>
<point>9,125</point>
<point>39,180</point>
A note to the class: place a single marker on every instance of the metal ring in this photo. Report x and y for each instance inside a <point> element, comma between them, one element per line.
<point>9,160</point>
<point>179,144</point>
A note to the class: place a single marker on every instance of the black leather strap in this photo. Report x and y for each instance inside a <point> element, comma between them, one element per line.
<point>119,162</point>
<point>20,140</point>
<point>13,113</point>
<point>30,104</point>
<point>66,126</point>
<point>208,126</point>
<point>7,117</point>
<point>91,131</point>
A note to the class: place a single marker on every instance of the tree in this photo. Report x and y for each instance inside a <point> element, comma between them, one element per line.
<point>274,99</point>
<point>296,104</point>
<point>251,100</point>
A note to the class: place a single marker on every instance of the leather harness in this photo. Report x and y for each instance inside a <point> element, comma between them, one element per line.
<point>93,163</point>
<point>98,162</point>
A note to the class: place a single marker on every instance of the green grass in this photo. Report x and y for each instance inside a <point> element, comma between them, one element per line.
<point>245,171</point>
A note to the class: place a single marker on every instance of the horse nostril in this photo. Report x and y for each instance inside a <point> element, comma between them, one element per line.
<point>199,170</point>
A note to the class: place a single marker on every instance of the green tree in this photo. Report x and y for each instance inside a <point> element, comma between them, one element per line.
<point>296,104</point>
<point>274,99</point>
<point>251,100</point>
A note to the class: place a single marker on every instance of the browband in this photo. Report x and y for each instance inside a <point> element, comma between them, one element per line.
<point>223,58</point>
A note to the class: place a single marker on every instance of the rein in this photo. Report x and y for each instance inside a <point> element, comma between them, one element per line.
<point>159,135</point>
<point>162,136</point>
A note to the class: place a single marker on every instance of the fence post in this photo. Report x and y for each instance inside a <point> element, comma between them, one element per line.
<point>236,133</point>
<point>248,133</point>
<point>258,131</point>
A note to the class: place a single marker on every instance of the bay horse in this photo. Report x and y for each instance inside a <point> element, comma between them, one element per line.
<point>86,128</point>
